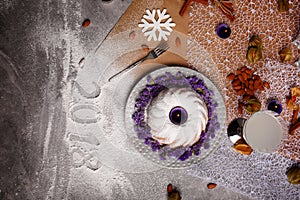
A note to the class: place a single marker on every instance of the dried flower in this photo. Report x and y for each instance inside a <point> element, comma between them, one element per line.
<point>226,7</point>
<point>254,54</point>
<point>285,54</point>
<point>283,5</point>
<point>293,174</point>
<point>253,105</point>
<point>255,41</point>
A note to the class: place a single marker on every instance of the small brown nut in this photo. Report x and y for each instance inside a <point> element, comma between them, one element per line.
<point>266,84</point>
<point>261,88</point>
<point>235,82</point>
<point>251,82</point>
<point>237,87</point>
<point>256,84</point>
<point>245,76</point>
<point>230,76</point>
<point>242,147</point>
<point>238,71</point>
<point>249,92</point>
<point>243,86</point>
<point>248,71</point>
<point>240,108</point>
<point>251,87</point>
<point>240,77</point>
<point>211,186</point>
<point>243,69</point>
<point>255,77</point>
<point>246,97</point>
<point>240,92</point>
<point>86,23</point>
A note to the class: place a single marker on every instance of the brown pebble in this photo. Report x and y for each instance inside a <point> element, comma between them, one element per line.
<point>211,186</point>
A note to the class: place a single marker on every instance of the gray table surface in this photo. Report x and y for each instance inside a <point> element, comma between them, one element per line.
<point>41,45</point>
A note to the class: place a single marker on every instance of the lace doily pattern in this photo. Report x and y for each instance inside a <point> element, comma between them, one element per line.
<point>258,175</point>
<point>277,30</point>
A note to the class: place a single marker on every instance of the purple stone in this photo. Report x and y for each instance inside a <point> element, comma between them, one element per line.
<point>223,31</point>
<point>178,115</point>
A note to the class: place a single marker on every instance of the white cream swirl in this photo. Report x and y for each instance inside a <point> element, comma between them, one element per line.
<point>163,130</point>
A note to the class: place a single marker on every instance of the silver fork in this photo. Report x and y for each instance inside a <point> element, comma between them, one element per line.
<point>154,53</point>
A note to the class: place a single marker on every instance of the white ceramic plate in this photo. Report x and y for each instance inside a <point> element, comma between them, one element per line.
<point>173,162</point>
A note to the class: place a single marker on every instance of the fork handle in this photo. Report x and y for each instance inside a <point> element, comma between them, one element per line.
<point>128,68</point>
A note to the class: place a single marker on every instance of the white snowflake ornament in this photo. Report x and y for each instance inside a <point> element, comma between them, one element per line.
<point>161,23</point>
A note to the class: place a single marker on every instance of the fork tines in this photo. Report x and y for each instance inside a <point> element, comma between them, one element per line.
<point>161,48</point>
